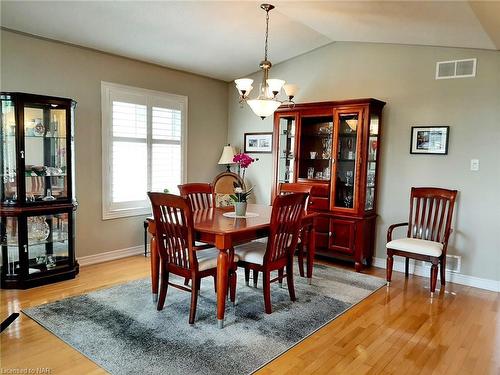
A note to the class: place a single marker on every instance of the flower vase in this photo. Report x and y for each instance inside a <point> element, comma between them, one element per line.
<point>240,208</point>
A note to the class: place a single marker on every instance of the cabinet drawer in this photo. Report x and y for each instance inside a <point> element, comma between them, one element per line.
<point>318,204</point>
<point>341,236</point>
<point>322,191</point>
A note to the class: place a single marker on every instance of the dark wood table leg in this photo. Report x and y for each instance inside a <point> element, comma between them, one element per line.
<point>222,281</point>
<point>155,268</point>
<point>310,253</point>
<point>145,238</point>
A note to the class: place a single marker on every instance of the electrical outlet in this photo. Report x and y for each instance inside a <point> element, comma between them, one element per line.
<point>474,165</point>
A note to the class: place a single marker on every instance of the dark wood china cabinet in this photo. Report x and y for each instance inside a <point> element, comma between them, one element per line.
<point>37,202</point>
<point>334,148</point>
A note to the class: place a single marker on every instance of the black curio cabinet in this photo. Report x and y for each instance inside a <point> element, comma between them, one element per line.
<point>37,202</point>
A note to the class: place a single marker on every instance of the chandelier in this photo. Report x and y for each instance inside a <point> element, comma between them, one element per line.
<point>267,101</point>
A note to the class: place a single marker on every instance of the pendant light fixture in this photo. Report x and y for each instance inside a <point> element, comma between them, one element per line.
<point>267,101</point>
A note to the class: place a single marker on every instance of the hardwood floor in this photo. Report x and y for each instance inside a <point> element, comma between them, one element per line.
<point>397,330</point>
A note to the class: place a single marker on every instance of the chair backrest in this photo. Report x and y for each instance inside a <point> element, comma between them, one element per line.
<point>289,188</point>
<point>199,194</point>
<point>431,212</point>
<point>223,186</point>
<point>285,225</point>
<point>174,229</point>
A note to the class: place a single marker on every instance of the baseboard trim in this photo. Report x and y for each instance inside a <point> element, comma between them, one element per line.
<point>419,269</point>
<point>110,255</point>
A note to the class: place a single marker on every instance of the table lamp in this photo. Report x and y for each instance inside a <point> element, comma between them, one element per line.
<point>227,156</point>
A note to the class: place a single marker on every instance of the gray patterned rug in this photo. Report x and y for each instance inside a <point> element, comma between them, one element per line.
<point>120,329</point>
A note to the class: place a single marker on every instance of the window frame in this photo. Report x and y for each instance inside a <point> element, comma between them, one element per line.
<point>151,98</point>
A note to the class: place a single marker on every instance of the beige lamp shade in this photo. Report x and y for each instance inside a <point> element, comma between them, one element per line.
<point>227,155</point>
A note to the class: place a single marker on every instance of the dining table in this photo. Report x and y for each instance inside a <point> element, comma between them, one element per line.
<point>213,226</point>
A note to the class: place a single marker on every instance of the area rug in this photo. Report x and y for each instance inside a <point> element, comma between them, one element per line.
<point>120,329</point>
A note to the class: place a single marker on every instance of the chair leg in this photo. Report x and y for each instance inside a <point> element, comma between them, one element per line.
<point>280,277</point>
<point>443,271</point>
<point>434,275</point>
<point>247,276</point>
<point>289,280</point>
<point>301,258</point>
<point>186,281</point>
<point>215,283</point>
<point>232,286</point>
<point>163,287</point>
<point>255,278</point>
<point>407,267</point>
<point>194,300</point>
<point>390,261</point>
<point>266,287</point>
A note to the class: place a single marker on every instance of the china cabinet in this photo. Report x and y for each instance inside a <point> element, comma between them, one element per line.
<point>334,148</point>
<point>37,201</point>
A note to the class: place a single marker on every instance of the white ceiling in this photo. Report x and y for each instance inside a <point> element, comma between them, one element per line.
<point>225,40</point>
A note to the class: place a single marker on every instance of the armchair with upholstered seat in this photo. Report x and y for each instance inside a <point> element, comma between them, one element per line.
<point>429,229</point>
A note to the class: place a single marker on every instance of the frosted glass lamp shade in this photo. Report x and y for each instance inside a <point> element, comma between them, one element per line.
<point>290,89</point>
<point>264,107</point>
<point>275,85</point>
<point>227,156</point>
<point>244,85</point>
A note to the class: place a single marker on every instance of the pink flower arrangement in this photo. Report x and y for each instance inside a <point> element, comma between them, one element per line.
<point>243,160</point>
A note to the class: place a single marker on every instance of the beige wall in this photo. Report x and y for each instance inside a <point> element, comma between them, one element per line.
<point>403,76</point>
<point>44,67</point>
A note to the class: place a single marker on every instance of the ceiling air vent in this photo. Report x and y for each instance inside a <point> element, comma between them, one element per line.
<point>456,69</point>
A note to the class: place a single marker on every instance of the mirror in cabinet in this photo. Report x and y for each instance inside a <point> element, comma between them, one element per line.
<point>286,148</point>
<point>349,126</point>
<point>45,142</point>
<point>315,160</point>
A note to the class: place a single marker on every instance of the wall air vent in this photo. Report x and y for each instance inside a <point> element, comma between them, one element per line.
<point>453,263</point>
<point>456,69</point>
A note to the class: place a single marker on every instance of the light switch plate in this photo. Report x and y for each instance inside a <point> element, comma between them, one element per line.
<point>474,165</point>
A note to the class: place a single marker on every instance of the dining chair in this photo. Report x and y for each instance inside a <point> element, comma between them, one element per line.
<point>302,247</point>
<point>429,229</point>
<point>178,254</point>
<point>199,194</point>
<point>277,253</point>
<point>223,187</point>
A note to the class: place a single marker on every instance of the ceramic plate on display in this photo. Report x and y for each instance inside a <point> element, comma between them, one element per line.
<point>233,215</point>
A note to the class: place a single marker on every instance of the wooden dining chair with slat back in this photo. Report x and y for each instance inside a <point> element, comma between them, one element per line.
<point>277,253</point>
<point>178,254</point>
<point>302,247</point>
<point>429,229</point>
<point>199,194</point>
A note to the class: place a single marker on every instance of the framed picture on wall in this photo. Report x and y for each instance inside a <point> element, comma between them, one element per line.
<point>429,140</point>
<point>258,143</point>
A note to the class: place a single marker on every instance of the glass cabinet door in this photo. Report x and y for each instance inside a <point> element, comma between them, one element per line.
<point>349,127</point>
<point>9,189</point>
<point>286,150</point>
<point>9,241</point>
<point>371,162</point>
<point>48,242</point>
<point>316,147</point>
<point>45,155</point>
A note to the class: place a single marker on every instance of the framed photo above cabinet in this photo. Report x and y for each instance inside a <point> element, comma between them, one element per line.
<point>37,202</point>
<point>334,148</point>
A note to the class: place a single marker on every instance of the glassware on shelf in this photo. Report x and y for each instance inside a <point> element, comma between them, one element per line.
<point>49,196</point>
<point>38,228</point>
<point>348,200</point>
<point>319,175</point>
<point>310,173</point>
<point>348,178</point>
<point>51,262</point>
<point>313,154</point>
<point>326,173</point>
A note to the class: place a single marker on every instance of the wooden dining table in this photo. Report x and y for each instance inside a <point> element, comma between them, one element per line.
<point>212,227</point>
